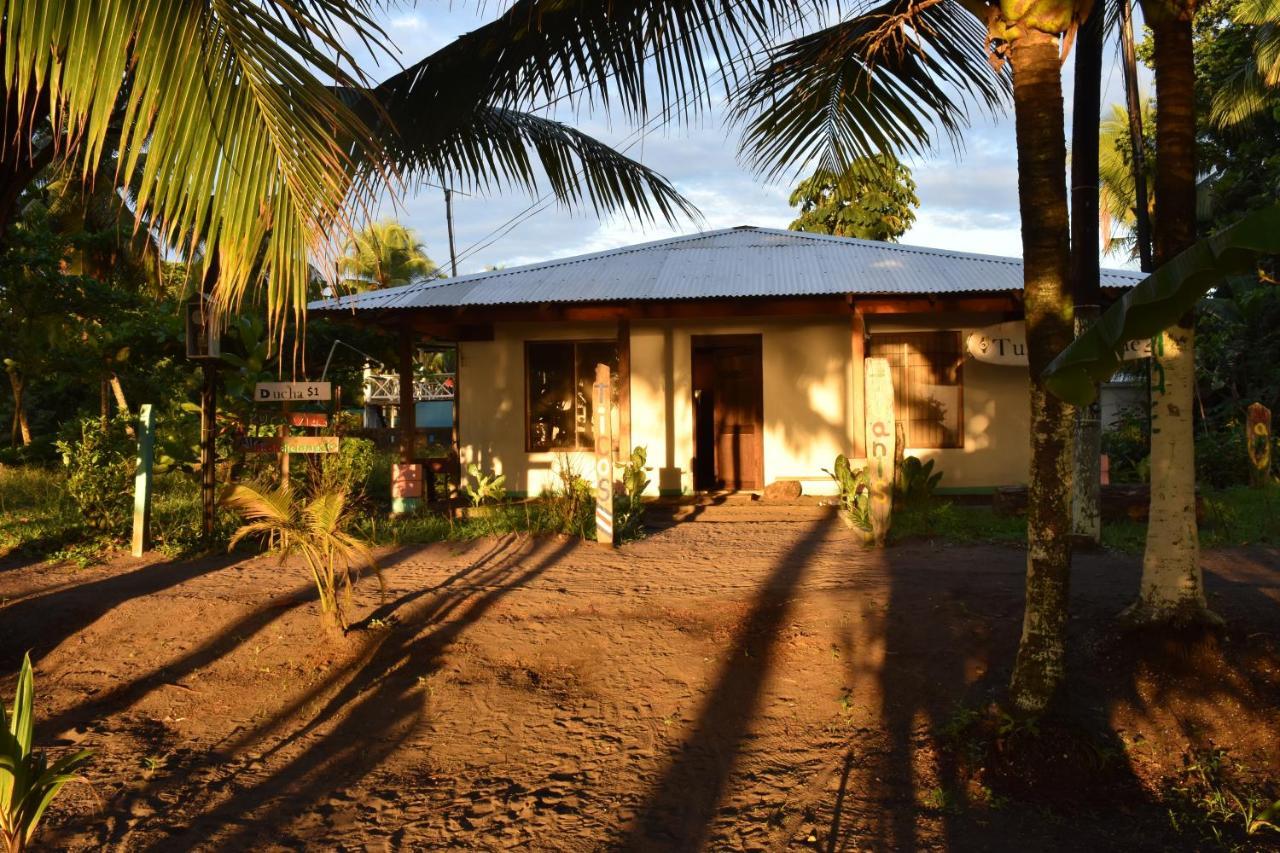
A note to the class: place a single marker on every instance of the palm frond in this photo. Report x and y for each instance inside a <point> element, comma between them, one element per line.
<point>889,80</point>
<point>497,146</point>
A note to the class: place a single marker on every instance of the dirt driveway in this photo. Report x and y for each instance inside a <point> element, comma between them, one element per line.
<point>745,686</point>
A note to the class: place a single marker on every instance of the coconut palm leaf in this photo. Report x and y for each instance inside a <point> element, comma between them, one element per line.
<point>1245,92</point>
<point>889,80</point>
<point>1159,300</point>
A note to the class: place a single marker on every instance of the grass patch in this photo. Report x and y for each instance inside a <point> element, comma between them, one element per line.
<point>957,524</point>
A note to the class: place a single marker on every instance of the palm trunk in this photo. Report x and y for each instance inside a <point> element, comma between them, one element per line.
<point>1042,199</point>
<point>1172,586</point>
<point>1086,107</point>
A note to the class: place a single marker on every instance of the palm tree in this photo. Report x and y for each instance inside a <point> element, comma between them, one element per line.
<point>263,138</point>
<point>314,531</point>
<point>1245,95</point>
<point>1116,201</point>
<point>880,82</point>
<point>383,254</point>
<point>1172,586</point>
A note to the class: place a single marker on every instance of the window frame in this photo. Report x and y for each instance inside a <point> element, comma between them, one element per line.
<point>905,369</point>
<point>528,396</point>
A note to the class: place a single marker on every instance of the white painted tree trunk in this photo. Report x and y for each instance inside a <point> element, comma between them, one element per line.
<point>1172,586</point>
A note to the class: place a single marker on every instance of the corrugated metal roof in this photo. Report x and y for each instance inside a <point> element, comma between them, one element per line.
<point>732,262</point>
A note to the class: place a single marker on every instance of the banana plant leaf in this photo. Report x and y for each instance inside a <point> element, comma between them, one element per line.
<point>1158,301</point>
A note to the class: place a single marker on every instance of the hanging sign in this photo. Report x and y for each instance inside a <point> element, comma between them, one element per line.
<point>878,393</point>
<point>1006,343</point>
<point>308,419</point>
<point>290,444</point>
<point>603,398</point>
<point>292,392</point>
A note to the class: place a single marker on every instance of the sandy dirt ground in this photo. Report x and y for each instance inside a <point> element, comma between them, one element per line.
<point>743,685</point>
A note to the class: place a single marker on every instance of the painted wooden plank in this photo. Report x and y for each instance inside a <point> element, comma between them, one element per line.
<point>290,444</point>
<point>308,419</point>
<point>881,441</point>
<point>603,398</point>
<point>142,481</point>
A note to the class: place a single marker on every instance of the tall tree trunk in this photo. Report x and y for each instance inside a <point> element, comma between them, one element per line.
<point>1086,111</point>
<point>20,427</point>
<point>1172,585</point>
<point>1042,199</point>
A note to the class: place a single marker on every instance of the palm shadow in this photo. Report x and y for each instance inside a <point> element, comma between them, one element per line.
<point>682,803</point>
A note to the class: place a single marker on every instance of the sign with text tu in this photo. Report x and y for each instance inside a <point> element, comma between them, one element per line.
<point>1006,343</point>
<point>602,398</point>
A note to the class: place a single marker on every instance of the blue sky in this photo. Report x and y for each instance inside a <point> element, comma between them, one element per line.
<point>968,201</point>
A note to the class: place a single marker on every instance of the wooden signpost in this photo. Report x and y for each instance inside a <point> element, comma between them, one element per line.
<point>292,392</point>
<point>603,399</point>
<point>142,481</point>
<point>1258,425</point>
<point>881,442</point>
<point>282,443</point>
<point>289,444</point>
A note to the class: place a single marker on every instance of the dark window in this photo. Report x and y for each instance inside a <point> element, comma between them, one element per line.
<point>928,387</point>
<point>558,398</point>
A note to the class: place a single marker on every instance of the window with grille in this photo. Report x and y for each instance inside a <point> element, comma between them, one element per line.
<point>559,376</point>
<point>928,387</point>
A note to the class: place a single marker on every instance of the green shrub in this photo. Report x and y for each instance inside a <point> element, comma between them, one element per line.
<point>487,489</point>
<point>1222,456</point>
<point>1128,446</point>
<point>349,470</point>
<point>628,508</point>
<point>570,508</point>
<point>28,782</point>
<point>100,467</point>
<point>916,483</point>
<point>855,492</point>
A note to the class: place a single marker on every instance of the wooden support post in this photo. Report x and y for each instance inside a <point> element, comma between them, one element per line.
<point>624,388</point>
<point>142,480</point>
<point>208,457</point>
<point>283,431</point>
<point>858,351</point>
<point>406,481</point>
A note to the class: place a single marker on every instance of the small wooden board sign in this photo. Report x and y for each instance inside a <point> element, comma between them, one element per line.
<point>292,392</point>
<point>406,480</point>
<point>308,419</point>
<point>881,438</point>
<point>290,444</point>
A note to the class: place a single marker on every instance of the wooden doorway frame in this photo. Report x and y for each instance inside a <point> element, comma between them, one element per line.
<point>698,343</point>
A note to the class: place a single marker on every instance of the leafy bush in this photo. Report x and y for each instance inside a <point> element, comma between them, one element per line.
<point>1222,456</point>
<point>487,488</point>
<point>628,508</point>
<point>572,506</point>
<point>916,483</point>
<point>317,532</point>
<point>349,470</point>
<point>1128,446</point>
<point>100,468</point>
<point>855,492</point>
<point>28,782</point>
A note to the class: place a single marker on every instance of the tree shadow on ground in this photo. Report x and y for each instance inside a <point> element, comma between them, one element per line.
<point>681,805</point>
<point>374,706</point>
<point>41,622</point>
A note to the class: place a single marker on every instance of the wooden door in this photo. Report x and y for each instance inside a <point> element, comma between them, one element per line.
<point>728,412</point>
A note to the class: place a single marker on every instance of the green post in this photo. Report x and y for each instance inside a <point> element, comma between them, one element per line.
<point>142,480</point>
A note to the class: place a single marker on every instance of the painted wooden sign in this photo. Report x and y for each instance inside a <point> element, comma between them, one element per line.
<point>292,392</point>
<point>142,481</point>
<point>1259,436</point>
<point>881,440</point>
<point>290,444</point>
<point>406,480</point>
<point>308,419</point>
<point>603,399</point>
<point>1006,343</point>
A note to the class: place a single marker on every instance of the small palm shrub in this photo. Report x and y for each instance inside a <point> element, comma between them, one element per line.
<point>628,508</point>
<point>315,530</point>
<point>855,493</point>
<point>28,782</point>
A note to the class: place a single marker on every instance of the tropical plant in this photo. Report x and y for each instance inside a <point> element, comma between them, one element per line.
<point>916,483</point>
<point>100,466</point>
<point>28,782</point>
<point>628,507</point>
<point>854,489</point>
<point>316,531</point>
<point>380,255</point>
<point>1244,94</point>
<point>873,199</point>
<point>1116,219</point>
<point>487,487</point>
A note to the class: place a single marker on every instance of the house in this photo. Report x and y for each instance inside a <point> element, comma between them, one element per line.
<point>736,355</point>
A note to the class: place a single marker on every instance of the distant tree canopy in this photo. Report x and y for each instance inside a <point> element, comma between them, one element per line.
<point>873,199</point>
<point>383,254</point>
